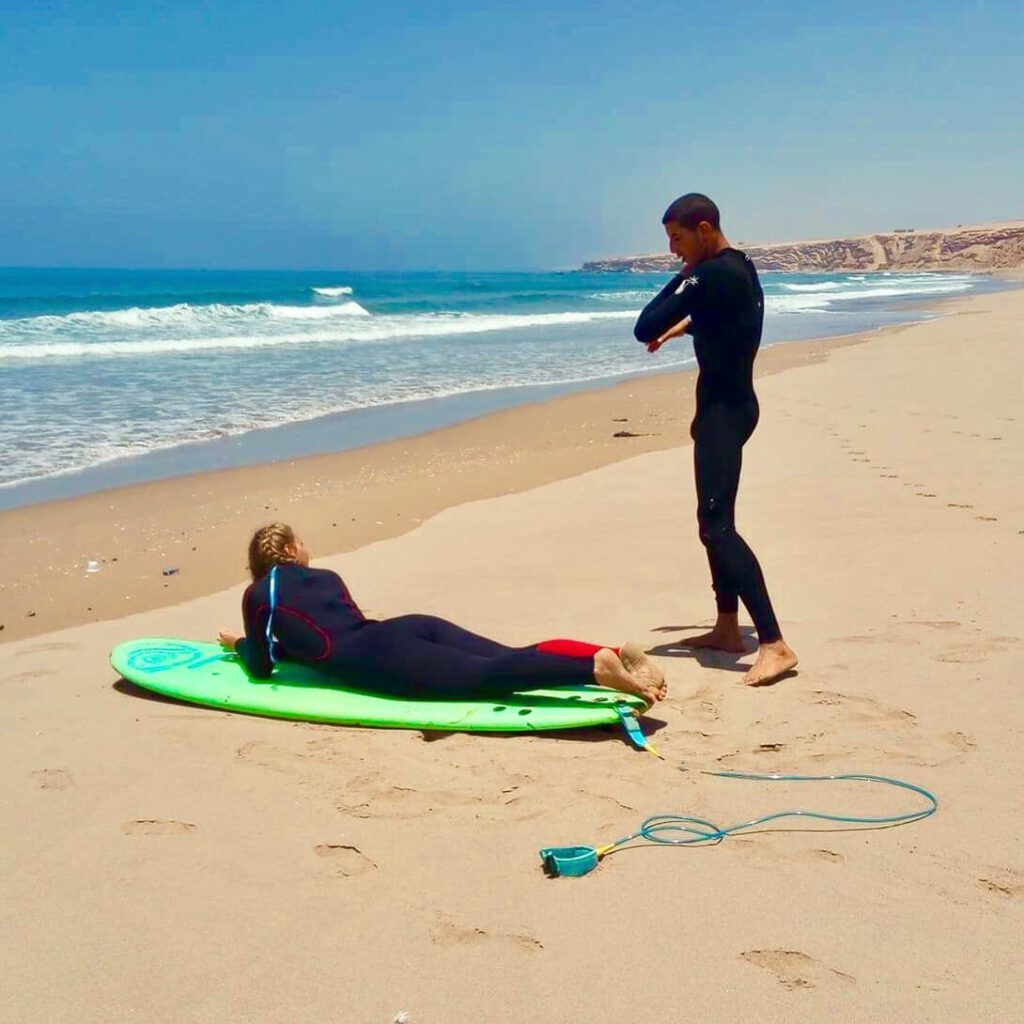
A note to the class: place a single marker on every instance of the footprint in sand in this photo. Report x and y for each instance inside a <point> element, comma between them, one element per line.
<point>152,827</point>
<point>38,673</point>
<point>448,932</point>
<point>872,638</point>
<point>961,741</point>
<point>54,645</point>
<point>327,766</point>
<point>53,778</point>
<point>767,854</point>
<point>344,861</point>
<point>864,709</point>
<point>614,800</point>
<point>372,796</point>
<point>268,755</point>
<point>972,653</point>
<point>897,635</point>
<point>318,763</point>
<point>703,706</point>
<point>796,970</point>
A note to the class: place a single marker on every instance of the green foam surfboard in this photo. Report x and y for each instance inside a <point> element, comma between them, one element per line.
<point>207,674</point>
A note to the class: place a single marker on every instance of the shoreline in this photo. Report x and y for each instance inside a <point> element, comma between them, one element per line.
<point>328,433</point>
<point>158,543</point>
<point>258,438</point>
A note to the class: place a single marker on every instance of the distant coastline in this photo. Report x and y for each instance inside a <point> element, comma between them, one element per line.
<point>981,248</point>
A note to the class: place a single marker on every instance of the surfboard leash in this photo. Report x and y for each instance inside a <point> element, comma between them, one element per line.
<point>686,830</point>
<point>634,734</point>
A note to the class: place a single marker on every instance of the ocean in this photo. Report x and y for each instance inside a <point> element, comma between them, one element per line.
<point>110,377</point>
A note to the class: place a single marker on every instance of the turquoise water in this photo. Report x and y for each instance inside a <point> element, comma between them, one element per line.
<point>111,376</point>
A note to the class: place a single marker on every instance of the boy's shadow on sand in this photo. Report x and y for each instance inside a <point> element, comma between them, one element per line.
<point>707,658</point>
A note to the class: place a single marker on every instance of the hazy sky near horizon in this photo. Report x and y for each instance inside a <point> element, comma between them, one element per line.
<point>491,135</point>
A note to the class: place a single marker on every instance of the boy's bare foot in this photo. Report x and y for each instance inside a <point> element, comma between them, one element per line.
<point>637,663</point>
<point>609,671</point>
<point>725,635</point>
<point>773,660</point>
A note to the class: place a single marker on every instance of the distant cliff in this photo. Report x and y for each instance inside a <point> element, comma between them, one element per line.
<point>985,247</point>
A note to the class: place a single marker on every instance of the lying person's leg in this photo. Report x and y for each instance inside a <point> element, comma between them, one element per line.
<point>633,657</point>
<point>635,661</point>
<point>399,656</point>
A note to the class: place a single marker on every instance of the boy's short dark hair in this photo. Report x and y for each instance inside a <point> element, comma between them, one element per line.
<point>689,210</point>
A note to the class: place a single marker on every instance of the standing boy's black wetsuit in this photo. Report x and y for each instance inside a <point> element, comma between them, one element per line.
<point>724,300</point>
<point>317,623</point>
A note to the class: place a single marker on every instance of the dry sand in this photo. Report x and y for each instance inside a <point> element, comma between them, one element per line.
<point>169,863</point>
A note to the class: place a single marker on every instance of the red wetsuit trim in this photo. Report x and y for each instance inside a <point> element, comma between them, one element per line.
<point>572,648</point>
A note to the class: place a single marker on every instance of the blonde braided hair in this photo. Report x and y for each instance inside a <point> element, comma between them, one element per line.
<point>267,549</point>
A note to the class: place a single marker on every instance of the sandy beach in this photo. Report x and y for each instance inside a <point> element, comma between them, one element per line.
<point>178,864</point>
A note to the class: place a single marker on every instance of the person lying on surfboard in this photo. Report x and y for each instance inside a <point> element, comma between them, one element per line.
<point>308,616</point>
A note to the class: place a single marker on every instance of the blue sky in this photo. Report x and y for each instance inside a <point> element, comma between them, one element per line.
<point>494,135</point>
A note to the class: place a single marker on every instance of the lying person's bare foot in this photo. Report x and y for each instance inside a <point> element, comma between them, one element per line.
<point>773,661</point>
<point>725,635</point>
<point>609,671</point>
<point>636,662</point>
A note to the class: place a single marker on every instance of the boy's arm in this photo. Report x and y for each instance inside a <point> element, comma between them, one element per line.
<point>673,304</point>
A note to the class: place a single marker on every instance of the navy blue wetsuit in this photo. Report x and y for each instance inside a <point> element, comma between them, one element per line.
<point>724,300</point>
<point>317,623</point>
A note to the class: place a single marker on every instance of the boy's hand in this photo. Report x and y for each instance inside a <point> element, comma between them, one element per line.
<point>673,332</point>
<point>228,640</point>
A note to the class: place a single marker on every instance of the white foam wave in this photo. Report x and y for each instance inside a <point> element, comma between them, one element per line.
<point>627,296</point>
<point>795,303</point>
<point>818,286</point>
<point>334,293</point>
<point>910,283</point>
<point>315,312</point>
<point>358,330</point>
<point>806,301</point>
<point>943,288</point>
<point>183,315</point>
